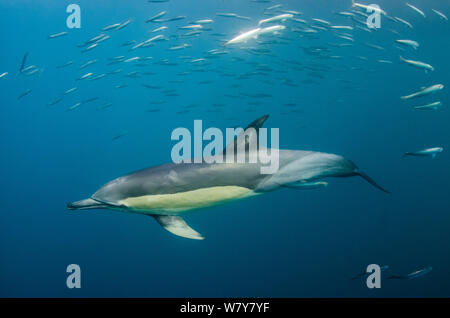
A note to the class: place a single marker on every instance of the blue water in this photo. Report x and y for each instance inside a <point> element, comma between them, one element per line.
<point>287,243</point>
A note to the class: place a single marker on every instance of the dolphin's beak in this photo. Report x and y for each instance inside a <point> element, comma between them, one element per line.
<point>85,204</point>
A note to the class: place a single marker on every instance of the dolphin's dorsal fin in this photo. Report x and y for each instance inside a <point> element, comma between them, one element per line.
<point>176,225</point>
<point>252,135</point>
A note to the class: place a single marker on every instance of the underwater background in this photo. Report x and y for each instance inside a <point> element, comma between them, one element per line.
<point>322,95</point>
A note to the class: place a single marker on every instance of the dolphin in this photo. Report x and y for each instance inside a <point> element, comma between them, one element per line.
<point>428,152</point>
<point>366,274</point>
<point>414,274</point>
<point>167,191</point>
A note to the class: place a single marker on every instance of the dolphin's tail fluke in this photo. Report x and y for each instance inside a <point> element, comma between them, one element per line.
<point>85,205</point>
<point>371,181</point>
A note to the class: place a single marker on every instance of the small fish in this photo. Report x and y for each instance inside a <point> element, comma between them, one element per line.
<point>409,43</point>
<point>95,38</point>
<point>374,46</point>
<point>428,152</point>
<point>368,8</point>
<point>191,27</point>
<point>416,9</point>
<point>28,68</point>
<point>111,26</point>
<point>363,14</point>
<point>128,43</point>
<point>131,59</point>
<point>99,76</point>
<point>192,33</point>
<point>366,274</point>
<point>90,47</point>
<point>179,47</point>
<point>440,14</point>
<point>54,102</point>
<point>321,21</point>
<point>204,21</point>
<point>348,38</point>
<point>90,100</point>
<point>65,64</point>
<point>432,106</point>
<point>418,64</point>
<point>292,12</point>
<point>122,25</point>
<point>70,90</point>
<point>160,29</point>
<point>33,71</point>
<point>276,6</point>
<point>158,102</point>
<point>152,86</point>
<point>85,76</point>
<point>88,63</point>
<point>3,74</point>
<point>57,35</point>
<point>409,25</point>
<point>104,38</point>
<point>199,60</point>
<point>227,15</point>
<point>134,74</point>
<point>345,14</point>
<point>74,106</point>
<point>180,17</point>
<point>24,61</point>
<point>341,27</point>
<point>156,16</point>
<point>117,71</point>
<point>107,105</point>
<point>119,136</point>
<point>25,93</point>
<point>425,91</point>
<point>137,46</point>
<point>413,275</point>
<point>158,37</point>
<point>281,17</point>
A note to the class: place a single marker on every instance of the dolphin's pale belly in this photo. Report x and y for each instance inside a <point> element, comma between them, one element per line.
<point>175,203</point>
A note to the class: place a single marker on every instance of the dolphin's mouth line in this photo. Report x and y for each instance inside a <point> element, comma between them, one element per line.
<point>110,205</point>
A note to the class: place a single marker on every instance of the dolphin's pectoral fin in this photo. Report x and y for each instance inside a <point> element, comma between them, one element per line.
<point>176,225</point>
